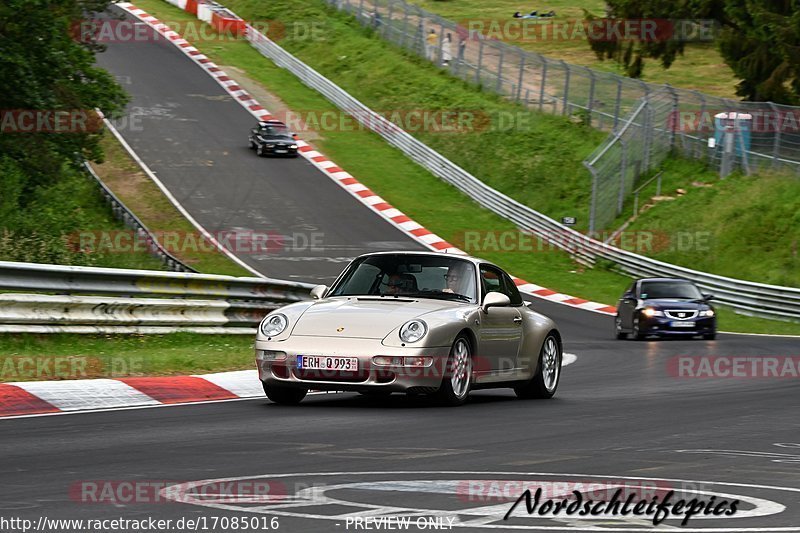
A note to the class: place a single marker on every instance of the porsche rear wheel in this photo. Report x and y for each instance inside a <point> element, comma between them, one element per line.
<point>284,395</point>
<point>457,379</point>
<point>544,382</point>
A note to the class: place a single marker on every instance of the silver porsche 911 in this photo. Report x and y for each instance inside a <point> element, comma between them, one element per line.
<point>412,322</point>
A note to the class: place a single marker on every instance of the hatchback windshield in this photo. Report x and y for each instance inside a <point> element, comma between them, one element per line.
<point>670,289</point>
<point>274,131</point>
<point>418,276</point>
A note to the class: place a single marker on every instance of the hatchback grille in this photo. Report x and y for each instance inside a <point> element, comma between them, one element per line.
<point>681,314</point>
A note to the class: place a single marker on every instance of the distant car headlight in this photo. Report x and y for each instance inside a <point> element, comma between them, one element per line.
<point>274,325</point>
<point>413,330</point>
<point>650,312</point>
<point>293,147</point>
<point>707,312</point>
<point>270,146</point>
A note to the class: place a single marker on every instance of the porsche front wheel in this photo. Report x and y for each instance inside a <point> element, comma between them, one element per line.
<point>457,379</point>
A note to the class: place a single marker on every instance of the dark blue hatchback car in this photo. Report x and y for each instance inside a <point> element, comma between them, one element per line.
<point>665,307</point>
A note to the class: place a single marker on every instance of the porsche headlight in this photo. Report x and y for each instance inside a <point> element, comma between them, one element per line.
<point>274,325</point>
<point>413,330</point>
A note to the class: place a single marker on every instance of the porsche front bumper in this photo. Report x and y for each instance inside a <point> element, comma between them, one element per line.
<point>390,378</point>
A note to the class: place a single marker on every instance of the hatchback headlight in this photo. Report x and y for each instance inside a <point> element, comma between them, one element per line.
<point>707,312</point>
<point>649,311</point>
<point>274,325</point>
<point>413,330</point>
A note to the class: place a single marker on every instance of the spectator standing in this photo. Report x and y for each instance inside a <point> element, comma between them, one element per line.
<point>447,50</point>
<point>430,45</point>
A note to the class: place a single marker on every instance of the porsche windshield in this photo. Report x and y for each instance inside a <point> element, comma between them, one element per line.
<point>409,275</point>
<point>670,289</point>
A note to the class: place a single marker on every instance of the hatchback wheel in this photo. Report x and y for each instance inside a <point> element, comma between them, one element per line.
<point>618,329</point>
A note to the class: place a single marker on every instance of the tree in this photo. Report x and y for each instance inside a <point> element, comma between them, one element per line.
<point>758,39</point>
<point>46,69</point>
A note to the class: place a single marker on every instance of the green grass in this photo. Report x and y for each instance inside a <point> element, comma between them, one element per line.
<point>384,74</point>
<point>48,228</point>
<point>130,184</point>
<point>701,67</point>
<point>28,357</point>
<point>746,227</point>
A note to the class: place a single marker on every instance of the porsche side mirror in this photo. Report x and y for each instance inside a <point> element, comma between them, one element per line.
<point>495,299</point>
<point>319,292</point>
<point>708,296</point>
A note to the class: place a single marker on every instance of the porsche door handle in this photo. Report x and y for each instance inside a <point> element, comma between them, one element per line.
<point>517,320</point>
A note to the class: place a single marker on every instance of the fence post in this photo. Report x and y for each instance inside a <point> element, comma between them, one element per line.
<point>623,166</point>
<point>480,61</point>
<point>617,104</point>
<point>388,24</point>
<point>361,18</point>
<point>700,144</point>
<point>405,25</point>
<point>499,86</point>
<point>439,60</point>
<point>593,203</point>
<point>674,116</point>
<point>590,104</point>
<point>541,87</point>
<point>521,74</point>
<point>776,144</point>
<point>647,130</point>
<point>566,87</point>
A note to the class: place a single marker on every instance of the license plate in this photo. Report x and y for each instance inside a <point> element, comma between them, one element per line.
<point>317,362</point>
<point>281,151</point>
<point>683,324</point>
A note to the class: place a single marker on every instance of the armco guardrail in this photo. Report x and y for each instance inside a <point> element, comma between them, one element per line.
<point>122,213</point>
<point>91,300</point>
<point>745,296</point>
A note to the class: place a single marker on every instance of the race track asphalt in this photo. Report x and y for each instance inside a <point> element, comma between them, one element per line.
<point>193,136</point>
<point>621,410</point>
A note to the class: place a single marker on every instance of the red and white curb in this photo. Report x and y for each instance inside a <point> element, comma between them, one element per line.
<point>28,398</point>
<point>358,190</point>
<point>42,398</point>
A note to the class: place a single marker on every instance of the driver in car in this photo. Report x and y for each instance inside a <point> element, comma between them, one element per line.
<point>455,280</point>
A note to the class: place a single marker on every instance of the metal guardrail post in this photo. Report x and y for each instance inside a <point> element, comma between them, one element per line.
<point>521,75</point>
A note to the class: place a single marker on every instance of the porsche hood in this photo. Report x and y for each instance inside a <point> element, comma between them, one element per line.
<point>366,317</point>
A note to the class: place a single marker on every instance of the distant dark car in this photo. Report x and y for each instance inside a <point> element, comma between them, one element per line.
<point>665,307</point>
<point>273,138</point>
